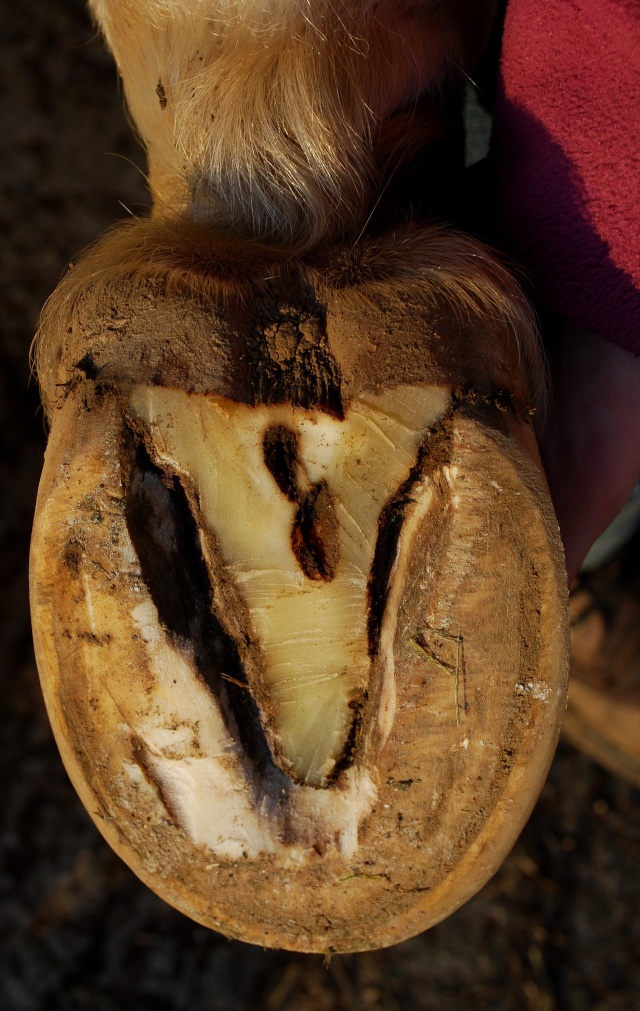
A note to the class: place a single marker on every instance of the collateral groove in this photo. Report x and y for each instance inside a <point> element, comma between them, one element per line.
<point>165,537</point>
<point>434,451</point>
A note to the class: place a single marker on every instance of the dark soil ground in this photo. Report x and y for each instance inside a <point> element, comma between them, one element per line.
<point>557,928</point>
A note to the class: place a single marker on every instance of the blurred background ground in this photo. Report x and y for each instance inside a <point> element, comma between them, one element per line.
<point>557,928</point>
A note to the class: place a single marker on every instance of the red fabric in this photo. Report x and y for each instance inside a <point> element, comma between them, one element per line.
<point>566,157</point>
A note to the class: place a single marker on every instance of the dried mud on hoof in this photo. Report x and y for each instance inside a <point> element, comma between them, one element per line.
<point>297,588</point>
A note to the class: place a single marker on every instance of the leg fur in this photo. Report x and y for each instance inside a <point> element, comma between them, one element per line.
<point>267,120</point>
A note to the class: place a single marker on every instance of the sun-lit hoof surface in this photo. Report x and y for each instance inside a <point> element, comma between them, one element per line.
<point>297,593</point>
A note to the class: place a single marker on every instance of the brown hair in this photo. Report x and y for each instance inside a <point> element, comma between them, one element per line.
<point>263,120</point>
